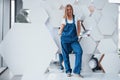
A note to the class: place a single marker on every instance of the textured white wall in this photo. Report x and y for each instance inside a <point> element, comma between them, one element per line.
<point>30,46</point>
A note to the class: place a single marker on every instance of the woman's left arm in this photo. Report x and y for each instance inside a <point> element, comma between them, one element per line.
<point>78,27</point>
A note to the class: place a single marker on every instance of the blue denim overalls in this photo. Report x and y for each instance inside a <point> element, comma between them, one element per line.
<point>69,38</point>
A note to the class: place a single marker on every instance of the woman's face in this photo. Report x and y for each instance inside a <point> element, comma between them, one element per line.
<point>69,11</point>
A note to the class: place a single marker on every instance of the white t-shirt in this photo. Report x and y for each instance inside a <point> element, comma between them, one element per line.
<point>71,21</point>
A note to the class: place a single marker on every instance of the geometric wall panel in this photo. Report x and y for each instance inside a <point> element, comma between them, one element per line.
<point>34,18</point>
<point>85,61</point>
<point>56,5</point>
<point>56,20</point>
<point>85,2</point>
<point>106,25</point>
<point>28,48</point>
<point>78,9</point>
<point>85,11</point>
<point>115,37</point>
<point>95,34</point>
<point>89,23</point>
<point>65,2</point>
<point>97,15</point>
<point>99,4</point>
<point>56,37</point>
<point>24,46</point>
<point>88,45</point>
<point>111,10</point>
<point>107,46</point>
<point>82,11</point>
<point>111,63</point>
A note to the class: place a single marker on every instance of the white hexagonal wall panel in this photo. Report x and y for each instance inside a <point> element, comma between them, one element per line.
<point>77,9</point>
<point>56,37</point>
<point>95,34</point>
<point>97,15</point>
<point>56,18</point>
<point>89,23</point>
<point>65,2</point>
<point>85,11</point>
<point>29,47</point>
<point>115,37</point>
<point>111,10</point>
<point>107,46</point>
<point>85,61</point>
<point>99,4</point>
<point>111,63</point>
<point>85,2</point>
<point>88,45</point>
<point>24,44</point>
<point>31,4</point>
<point>54,4</point>
<point>36,18</point>
<point>106,25</point>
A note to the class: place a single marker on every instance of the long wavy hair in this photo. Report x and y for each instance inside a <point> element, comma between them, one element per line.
<point>65,14</point>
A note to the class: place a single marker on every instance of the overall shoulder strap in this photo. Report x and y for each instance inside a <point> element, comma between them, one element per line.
<point>73,18</point>
<point>66,20</point>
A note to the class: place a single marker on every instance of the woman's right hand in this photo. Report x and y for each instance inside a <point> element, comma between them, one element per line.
<point>61,29</point>
<point>59,32</point>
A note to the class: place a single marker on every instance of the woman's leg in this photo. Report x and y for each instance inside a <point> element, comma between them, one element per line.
<point>61,61</point>
<point>78,56</point>
<point>65,53</point>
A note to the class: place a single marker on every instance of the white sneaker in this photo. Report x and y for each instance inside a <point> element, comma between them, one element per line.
<point>61,71</point>
<point>69,75</point>
<point>78,75</point>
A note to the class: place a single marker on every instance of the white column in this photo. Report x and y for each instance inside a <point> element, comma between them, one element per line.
<point>119,27</point>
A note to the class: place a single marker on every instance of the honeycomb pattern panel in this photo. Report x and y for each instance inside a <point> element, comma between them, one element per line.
<point>99,4</point>
<point>97,15</point>
<point>85,62</point>
<point>107,46</point>
<point>111,63</point>
<point>88,45</point>
<point>95,34</point>
<point>25,43</point>
<point>89,23</point>
<point>106,25</point>
<point>54,4</point>
<point>85,11</point>
<point>115,37</point>
<point>56,20</point>
<point>77,9</point>
<point>85,2</point>
<point>36,18</point>
<point>111,10</point>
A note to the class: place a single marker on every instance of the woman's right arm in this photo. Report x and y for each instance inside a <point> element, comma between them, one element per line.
<point>61,29</point>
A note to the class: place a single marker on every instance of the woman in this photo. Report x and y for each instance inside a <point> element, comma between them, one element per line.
<point>69,38</point>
